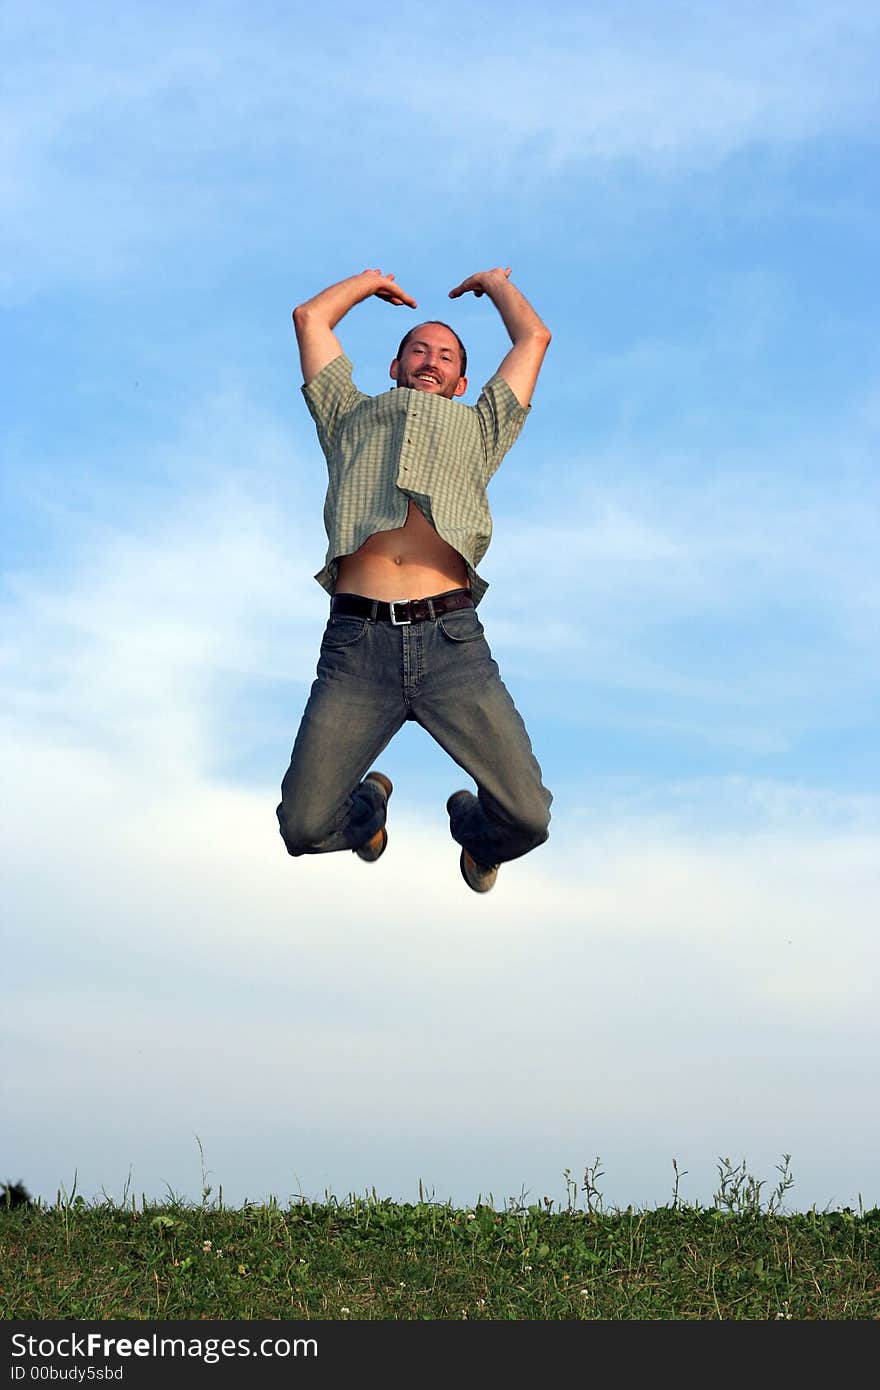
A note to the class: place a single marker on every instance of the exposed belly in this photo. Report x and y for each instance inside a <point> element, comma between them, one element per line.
<point>411,562</point>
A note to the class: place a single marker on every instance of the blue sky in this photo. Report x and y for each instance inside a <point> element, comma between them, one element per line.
<point>684,600</point>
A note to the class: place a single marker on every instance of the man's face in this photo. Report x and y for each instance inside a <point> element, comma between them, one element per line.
<point>431,361</point>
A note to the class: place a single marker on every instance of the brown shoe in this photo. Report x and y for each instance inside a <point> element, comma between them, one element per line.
<point>479,877</point>
<point>375,847</point>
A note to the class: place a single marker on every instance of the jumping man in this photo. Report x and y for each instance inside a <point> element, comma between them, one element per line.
<point>408,522</point>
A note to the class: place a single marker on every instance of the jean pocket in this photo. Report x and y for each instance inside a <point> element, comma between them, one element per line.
<point>343,630</point>
<point>461,626</point>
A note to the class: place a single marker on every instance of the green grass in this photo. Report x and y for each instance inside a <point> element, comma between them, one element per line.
<point>373,1258</point>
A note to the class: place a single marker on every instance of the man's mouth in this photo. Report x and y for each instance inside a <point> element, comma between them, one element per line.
<point>428,376</point>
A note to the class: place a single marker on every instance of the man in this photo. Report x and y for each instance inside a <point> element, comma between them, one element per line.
<point>407,522</point>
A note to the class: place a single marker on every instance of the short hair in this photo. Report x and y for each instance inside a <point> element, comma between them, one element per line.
<point>461,347</point>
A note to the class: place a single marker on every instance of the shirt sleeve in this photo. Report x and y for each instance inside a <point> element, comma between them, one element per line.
<point>330,396</point>
<point>501,418</point>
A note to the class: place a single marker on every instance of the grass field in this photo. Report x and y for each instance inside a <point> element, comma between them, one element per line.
<point>373,1258</point>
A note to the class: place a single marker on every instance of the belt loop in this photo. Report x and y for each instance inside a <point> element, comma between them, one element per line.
<point>430,603</point>
<point>374,610</point>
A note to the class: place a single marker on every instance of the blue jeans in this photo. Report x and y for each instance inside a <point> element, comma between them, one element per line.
<point>372,676</point>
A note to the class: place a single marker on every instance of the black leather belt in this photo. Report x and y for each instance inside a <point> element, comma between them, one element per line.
<point>401,610</point>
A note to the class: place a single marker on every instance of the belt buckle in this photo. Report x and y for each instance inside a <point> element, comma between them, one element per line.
<point>398,622</point>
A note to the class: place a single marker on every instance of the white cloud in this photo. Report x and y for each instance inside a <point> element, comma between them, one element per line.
<point>348,1019</point>
<point>632,983</point>
<point>134,135</point>
<point>719,546</point>
<point>725,603</point>
<point>688,85</point>
<point>163,608</point>
<point>738,592</point>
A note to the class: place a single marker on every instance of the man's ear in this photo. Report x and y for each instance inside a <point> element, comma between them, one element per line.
<point>461,387</point>
<point>392,370</point>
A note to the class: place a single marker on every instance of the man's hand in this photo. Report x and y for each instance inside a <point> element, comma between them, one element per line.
<point>480,282</point>
<point>316,319</point>
<point>529,335</point>
<point>386,287</point>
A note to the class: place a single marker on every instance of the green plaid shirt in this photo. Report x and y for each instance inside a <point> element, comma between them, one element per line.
<point>383,450</point>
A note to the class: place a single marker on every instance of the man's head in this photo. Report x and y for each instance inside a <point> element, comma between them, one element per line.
<point>431,358</point>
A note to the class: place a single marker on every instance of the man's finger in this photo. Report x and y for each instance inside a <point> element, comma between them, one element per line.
<point>396,299</point>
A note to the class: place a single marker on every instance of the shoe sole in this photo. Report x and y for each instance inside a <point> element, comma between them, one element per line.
<point>490,873</point>
<point>370,855</point>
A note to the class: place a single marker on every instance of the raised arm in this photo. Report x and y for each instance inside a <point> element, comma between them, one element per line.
<point>529,334</point>
<point>316,319</point>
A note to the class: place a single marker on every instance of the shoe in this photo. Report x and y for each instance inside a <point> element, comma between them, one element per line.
<point>375,847</point>
<point>479,877</point>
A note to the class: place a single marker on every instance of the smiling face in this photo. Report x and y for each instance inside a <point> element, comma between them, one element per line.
<point>430,360</point>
